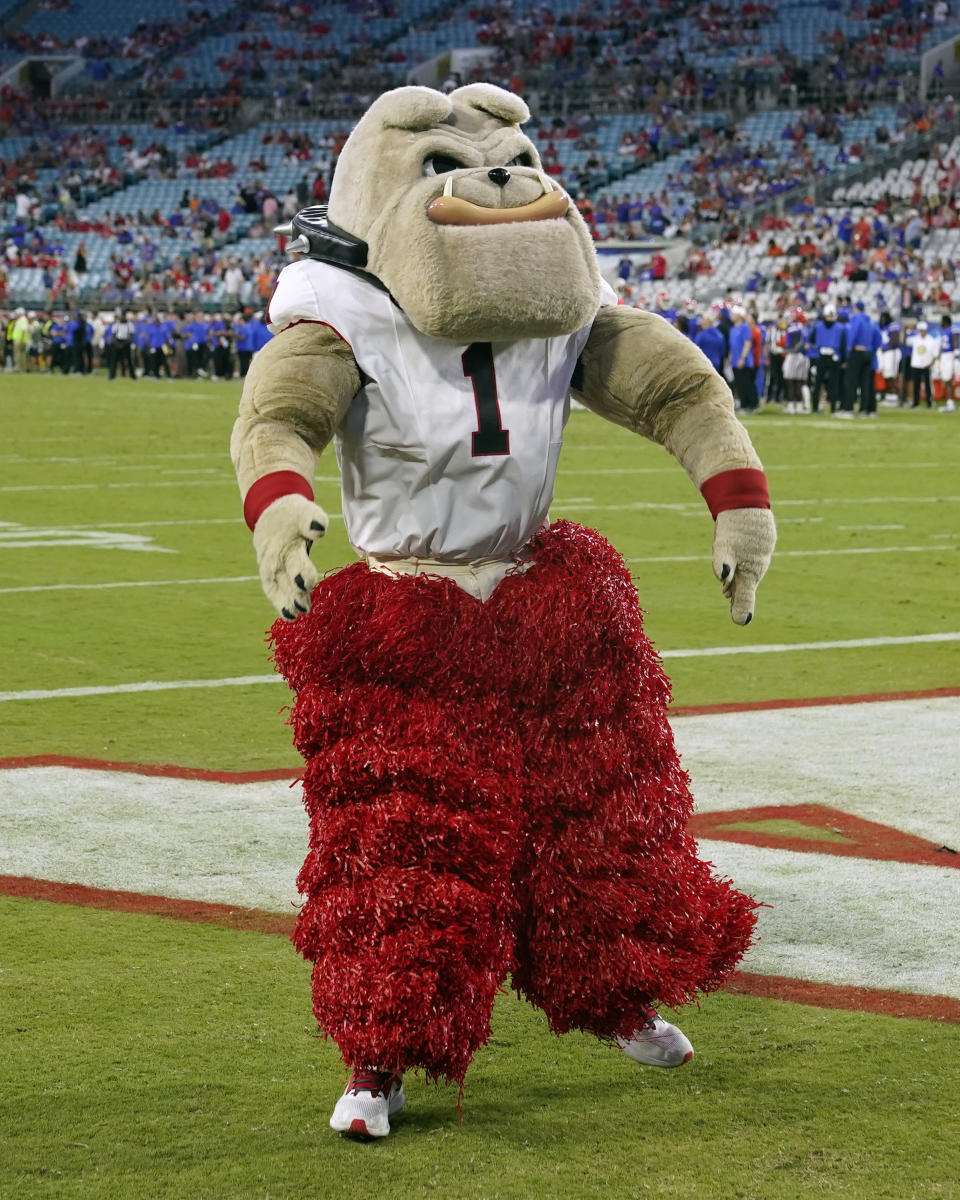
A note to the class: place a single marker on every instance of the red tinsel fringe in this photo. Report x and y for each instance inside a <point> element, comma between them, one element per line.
<point>494,788</point>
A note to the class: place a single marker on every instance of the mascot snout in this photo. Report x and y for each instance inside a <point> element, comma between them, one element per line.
<point>453,207</point>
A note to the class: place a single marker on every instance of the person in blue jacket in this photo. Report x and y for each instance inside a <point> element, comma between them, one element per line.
<point>79,345</point>
<point>245,332</point>
<point>141,339</point>
<point>863,342</point>
<point>742,360</point>
<point>711,341</point>
<point>59,356</point>
<point>193,334</point>
<point>261,334</point>
<point>160,341</point>
<point>828,343</point>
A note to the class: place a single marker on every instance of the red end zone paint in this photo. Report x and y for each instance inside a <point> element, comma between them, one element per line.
<point>858,999</point>
<point>170,771</point>
<point>252,920</point>
<point>154,769</point>
<point>867,839</point>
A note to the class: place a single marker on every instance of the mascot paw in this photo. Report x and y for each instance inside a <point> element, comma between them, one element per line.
<point>282,539</point>
<point>742,546</point>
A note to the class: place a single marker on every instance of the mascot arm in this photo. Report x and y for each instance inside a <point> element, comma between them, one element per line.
<point>295,395</point>
<point>641,373</point>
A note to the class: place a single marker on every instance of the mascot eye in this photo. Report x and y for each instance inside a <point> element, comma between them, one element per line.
<point>522,160</point>
<point>440,164</point>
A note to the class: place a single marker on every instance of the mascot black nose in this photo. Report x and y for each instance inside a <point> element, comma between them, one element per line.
<point>499,175</point>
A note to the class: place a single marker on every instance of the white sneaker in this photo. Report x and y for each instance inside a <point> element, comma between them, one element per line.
<point>658,1044</point>
<point>370,1099</point>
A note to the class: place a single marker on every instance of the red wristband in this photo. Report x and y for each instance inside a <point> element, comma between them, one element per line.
<point>743,488</point>
<point>271,487</point>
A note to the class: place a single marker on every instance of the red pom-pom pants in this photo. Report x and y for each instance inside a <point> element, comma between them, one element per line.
<point>493,788</point>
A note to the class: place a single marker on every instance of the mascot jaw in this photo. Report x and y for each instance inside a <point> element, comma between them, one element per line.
<point>448,209</point>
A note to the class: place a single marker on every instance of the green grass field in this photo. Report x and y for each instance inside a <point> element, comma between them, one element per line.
<point>146,1057</point>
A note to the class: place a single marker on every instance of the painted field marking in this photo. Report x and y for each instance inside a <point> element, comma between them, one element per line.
<point>771,471</point>
<point>247,680</point>
<point>100,460</point>
<point>225,481</point>
<point>130,583</point>
<point>783,647</point>
<point>836,923</point>
<point>25,537</point>
<point>839,550</point>
<point>702,559</point>
<point>805,828</point>
<point>686,507</point>
<point>149,685</point>
<point>885,1002</point>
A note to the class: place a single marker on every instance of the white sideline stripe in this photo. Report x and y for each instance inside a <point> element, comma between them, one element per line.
<point>663,558</point>
<point>782,647</point>
<point>96,587</point>
<point>136,483</point>
<point>685,507</point>
<point>149,685</point>
<point>772,471</point>
<point>247,680</point>
<point>236,520</point>
<point>682,558</point>
<point>835,920</point>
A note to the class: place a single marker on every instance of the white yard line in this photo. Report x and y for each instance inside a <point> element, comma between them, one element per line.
<point>856,466</point>
<point>246,680</point>
<point>149,685</point>
<point>846,921</point>
<point>224,481</point>
<point>783,647</point>
<point>131,583</point>
<point>812,501</point>
<point>682,558</point>
<point>65,540</point>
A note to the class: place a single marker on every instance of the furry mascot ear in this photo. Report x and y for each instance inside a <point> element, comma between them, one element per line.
<point>493,101</point>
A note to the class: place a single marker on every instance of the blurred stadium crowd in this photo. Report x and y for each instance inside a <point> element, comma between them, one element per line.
<point>729,155</point>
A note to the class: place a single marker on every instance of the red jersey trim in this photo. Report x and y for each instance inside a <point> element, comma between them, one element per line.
<point>271,487</point>
<point>309,321</point>
<point>742,488</point>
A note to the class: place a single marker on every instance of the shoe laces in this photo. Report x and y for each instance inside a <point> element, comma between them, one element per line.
<point>374,1082</point>
<point>649,1016</point>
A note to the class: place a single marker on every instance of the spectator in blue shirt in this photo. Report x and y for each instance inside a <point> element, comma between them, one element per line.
<point>711,341</point>
<point>863,342</point>
<point>742,361</point>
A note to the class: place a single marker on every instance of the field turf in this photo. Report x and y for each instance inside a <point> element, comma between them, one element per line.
<point>145,1057</point>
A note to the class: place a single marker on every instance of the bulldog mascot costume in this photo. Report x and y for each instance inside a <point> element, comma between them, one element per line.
<point>491,781</point>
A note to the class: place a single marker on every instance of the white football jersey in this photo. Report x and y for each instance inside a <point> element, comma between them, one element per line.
<point>449,450</point>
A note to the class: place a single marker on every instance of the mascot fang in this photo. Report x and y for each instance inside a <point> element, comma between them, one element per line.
<point>490,778</point>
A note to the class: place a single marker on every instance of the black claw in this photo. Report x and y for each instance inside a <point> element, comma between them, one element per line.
<point>298,580</point>
<point>309,546</point>
<point>749,618</point>
<point>725,572</point>
<point>286,614</point>
<point>299,607</point>
<point>316,525</point>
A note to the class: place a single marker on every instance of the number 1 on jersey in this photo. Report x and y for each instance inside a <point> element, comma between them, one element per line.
<point>490,437</point>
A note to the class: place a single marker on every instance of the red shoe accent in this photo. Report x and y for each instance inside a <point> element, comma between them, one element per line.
<point>687,1057</point>
<point>359,1128</point>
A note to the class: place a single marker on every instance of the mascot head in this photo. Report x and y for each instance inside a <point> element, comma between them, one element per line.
<point>473,240</point>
